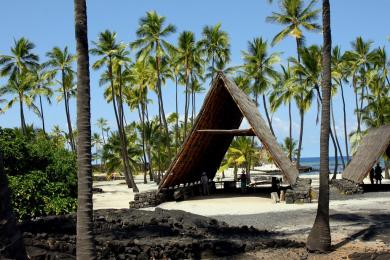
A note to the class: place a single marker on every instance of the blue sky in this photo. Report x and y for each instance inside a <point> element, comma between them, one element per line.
<point>49,23</point>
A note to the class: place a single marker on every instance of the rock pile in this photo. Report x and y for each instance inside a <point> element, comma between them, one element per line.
<point>147,199</point>
<point>300,192</point>
<point>347,187</point>
<point>136,234</point>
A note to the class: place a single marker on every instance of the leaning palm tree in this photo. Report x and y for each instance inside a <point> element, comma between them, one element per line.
<point>112,53</point>
<point>215,45</point>
<point>296,17</point>
<point>20,86</point>
<point>319,238</point>
<point>85,248</point>
<point>259,65</point>
<point>151,34</point>
<point>21,58</point>
<point>60,61</point>
<point>10,233</point>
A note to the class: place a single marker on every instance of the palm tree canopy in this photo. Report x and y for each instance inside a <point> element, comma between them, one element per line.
<point>295,16</point>
<point>21,58</point>
<point>151,34</point>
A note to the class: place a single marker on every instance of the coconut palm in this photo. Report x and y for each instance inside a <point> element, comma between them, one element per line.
<point>112,54</point>
<point>216,47</point>
<point>151,40</point>
<point>102,124</point>
<point>21,58</point>
<point>85,248</point>
<point>42,89</point>
<point>259,65</point>
<point>290,147</point>
<point>359,61</point>
<point>319,238</point>
<point>339,74</point>
<point>296,17</point>
<point>20,87</point>
<point>60,61</point>
<point>97,142</point>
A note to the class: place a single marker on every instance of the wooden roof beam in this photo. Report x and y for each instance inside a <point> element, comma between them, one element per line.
<point>235,132</point>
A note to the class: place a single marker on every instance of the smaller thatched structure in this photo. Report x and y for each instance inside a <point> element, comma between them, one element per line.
<point>372,147</point>
<point>217,123</point>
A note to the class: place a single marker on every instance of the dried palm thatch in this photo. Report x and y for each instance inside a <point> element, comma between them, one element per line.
<point>371,148</point>
<point>223,109</point>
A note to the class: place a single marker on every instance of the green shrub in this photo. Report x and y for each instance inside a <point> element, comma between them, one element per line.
<point>42,175</point>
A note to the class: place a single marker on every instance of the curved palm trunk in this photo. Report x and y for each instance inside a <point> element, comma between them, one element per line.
<point>11,240</point>
<point>301,111</point>
<point>85,239</point>
<point>42,115</point>
<point>177,117</point>
<point>319,238</point>
<point>345,122</point>
<point>267,115</point>
<point>67,112</point>
<point>356,104</point>
<point>290,129</point>
<point>186,105</point>
<point>22,119</point>
<point>336,139</point>
<point>141,118</point>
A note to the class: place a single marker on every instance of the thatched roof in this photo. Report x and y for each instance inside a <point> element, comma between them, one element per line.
<point>371,148</point>
<point>224,108</point>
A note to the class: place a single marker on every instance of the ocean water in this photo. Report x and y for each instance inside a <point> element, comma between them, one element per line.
<point>314,162</point>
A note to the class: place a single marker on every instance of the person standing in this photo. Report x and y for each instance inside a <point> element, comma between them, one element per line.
<point>378,173</point>
<point>205,184</point>
<point>372,175</point>
<point>243,179</point>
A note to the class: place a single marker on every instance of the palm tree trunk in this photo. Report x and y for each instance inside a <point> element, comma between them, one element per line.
<point>345,122</point>
<point>160,96</point>
<point>301,111</point>
<point>336,159</point>
<point>22,120</point>
<point>177,118</point>
<point>85,239</point>
<point>140,114</point>
<point>335,135</point>
<point>67,112</point>
<point>356,104</point>
<point>186,105</point>
<point>42,115</point>
<point>267,115</point>
<point>11,240</point>
<point>290,128</point>
<point>319,238</point>
<point>123,151</point>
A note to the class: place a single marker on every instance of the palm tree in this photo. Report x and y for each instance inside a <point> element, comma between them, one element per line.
<point>215,45</point>
<point>359,61</point>
<point>61,61</point>
<point>319,238</point>
<point>85,248</point>
<point>290,147</point>
<point>339,73</point>
<point>20,86</point>
<point>112,54</point>
<point>102,124</point>
<point>9,230</point>
<point>259,66</point>
<point>21,58</point>
<point>189,56</point>
<point>96,141</point>
<point>42,88</point>
<point>296,17</point>
<point>151,34</point>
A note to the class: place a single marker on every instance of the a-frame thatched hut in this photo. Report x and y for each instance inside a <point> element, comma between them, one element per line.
<point>217,123</point>
<point>373,145</point>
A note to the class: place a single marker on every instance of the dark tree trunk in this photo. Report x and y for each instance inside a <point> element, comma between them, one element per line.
<point>356,104</point>
<point>42,115</point>
<point>301,111</point>
<point>335,135</point>
<point>345,123</point>
<point>290,129</point>
<point>267,115</point>
<point>319,238</point>
<point>22,119</point>
<point>186,105</point>
<point>11,240</point>
<point>85,239</point>
<point>177,118</point>
<point>67,112</point>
